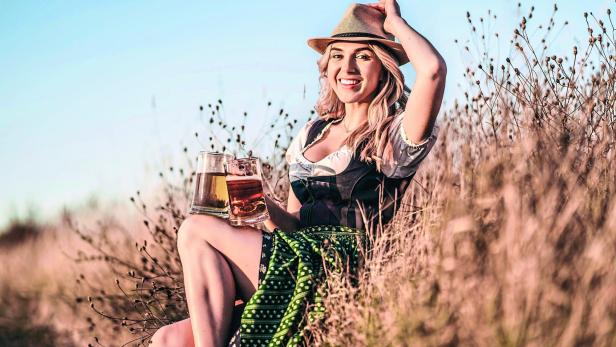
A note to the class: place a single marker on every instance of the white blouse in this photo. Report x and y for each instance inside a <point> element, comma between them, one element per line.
<point>407,155</point>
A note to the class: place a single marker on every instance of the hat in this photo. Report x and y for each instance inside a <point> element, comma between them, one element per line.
<point>361,23</point>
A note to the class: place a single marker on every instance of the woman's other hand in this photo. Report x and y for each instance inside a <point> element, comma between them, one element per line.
<point>279,217</point>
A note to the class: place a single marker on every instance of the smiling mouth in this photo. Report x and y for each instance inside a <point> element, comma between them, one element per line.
<point>349,82</point>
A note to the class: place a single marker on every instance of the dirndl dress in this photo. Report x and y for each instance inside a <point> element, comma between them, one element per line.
<point>331,235</point>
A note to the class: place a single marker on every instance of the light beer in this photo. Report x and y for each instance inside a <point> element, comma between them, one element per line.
<point>210,194</point>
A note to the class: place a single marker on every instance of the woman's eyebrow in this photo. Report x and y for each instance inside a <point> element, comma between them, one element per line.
<point>355,51</point>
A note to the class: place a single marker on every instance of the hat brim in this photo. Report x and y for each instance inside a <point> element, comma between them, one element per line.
<point>319,44</point>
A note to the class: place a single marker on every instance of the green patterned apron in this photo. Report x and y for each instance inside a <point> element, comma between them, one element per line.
<point>289,292</point>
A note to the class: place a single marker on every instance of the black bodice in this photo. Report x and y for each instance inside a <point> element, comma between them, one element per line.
<point>340,199</point>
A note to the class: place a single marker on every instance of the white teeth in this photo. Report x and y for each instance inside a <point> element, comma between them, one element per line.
<point>349,82</point>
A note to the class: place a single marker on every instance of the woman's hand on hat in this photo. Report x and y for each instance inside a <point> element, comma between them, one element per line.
<point>391,10</point>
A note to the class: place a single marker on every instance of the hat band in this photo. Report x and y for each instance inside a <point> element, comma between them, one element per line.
<point>359,34</point>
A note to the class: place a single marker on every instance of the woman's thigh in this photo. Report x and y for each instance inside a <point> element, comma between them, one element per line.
<point>241,246</point>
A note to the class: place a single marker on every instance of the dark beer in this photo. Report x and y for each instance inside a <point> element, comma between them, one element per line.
<point>246,198</point>
<point>211,194</point>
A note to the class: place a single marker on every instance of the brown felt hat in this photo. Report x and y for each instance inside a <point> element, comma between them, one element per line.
<point>361,23</point>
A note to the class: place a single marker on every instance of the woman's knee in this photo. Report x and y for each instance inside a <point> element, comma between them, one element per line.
<point>161,337</point>
<point>194,231</point>
<point>176,334</point>
<point>164,337</point>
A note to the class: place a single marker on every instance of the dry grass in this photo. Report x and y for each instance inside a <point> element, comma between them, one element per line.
<point>507,237</point>
<point>510,234</point>
<point>39,283</point>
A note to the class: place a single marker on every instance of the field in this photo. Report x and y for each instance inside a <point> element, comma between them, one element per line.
<point>507,237</point>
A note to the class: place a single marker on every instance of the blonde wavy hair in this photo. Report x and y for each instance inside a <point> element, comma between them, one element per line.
<point>388,102</point>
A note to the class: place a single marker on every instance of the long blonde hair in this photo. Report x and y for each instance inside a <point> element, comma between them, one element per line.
<point>389,101</point>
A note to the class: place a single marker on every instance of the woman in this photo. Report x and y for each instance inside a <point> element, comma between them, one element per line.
<point>348,171</point>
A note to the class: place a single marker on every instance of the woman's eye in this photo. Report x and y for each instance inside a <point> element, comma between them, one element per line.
<point>336,56</point>
<point>362,56</point>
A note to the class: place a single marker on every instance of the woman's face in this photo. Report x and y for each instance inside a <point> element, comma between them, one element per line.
<point>353,71</point>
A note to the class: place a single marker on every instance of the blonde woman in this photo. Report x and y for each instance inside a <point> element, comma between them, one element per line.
<point>348,171</point>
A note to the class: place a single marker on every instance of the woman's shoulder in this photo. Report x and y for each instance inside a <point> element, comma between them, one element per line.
<point>311,129</point>
<point>299,141</point>
<point>309,123</point>
<point>305,130</point>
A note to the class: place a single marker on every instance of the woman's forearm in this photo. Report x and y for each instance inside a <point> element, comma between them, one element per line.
<point>279,217</point>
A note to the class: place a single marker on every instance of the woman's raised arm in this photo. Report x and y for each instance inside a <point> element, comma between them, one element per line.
<point>427,92</point>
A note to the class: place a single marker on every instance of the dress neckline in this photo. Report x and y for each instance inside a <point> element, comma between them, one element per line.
<point>316,139</point>
<point>344,148</point>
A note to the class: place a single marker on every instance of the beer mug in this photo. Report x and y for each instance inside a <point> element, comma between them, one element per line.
<point>210,190</point>
<point>245,187</point>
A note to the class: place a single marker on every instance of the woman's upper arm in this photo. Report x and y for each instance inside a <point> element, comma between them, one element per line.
<point>293,204</point>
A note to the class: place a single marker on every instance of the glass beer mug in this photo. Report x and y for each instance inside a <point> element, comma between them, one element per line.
<point>210,191</point>
<point>245,187</point>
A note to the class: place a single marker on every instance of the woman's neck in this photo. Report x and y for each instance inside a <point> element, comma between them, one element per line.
<point>356,114</point>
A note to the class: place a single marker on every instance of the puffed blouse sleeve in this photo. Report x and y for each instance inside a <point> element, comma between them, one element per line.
<point>297,144</point>
<point>406,155</point>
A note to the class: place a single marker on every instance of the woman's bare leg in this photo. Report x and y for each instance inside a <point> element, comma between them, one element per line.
<point>217,259</point>
<point>210,292</point>
<point>178,334</point>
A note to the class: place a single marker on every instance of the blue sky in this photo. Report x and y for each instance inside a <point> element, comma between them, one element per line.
<point>96,97</point>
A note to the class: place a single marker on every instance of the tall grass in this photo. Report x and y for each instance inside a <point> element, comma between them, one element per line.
<point>509,234</point>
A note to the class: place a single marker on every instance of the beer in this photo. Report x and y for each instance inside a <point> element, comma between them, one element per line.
<point>210,190</point>
<point>246,197</point>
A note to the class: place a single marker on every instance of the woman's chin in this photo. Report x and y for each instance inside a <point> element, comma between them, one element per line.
<point>349,98</point>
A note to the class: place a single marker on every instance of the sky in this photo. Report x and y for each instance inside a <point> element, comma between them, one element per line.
<point>97,97</point>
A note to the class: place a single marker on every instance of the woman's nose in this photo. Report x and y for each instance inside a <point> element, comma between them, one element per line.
<point>349,65</point>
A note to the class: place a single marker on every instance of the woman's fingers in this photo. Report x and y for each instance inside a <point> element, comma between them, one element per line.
<point>377,6</point>
<point>387,7</point>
